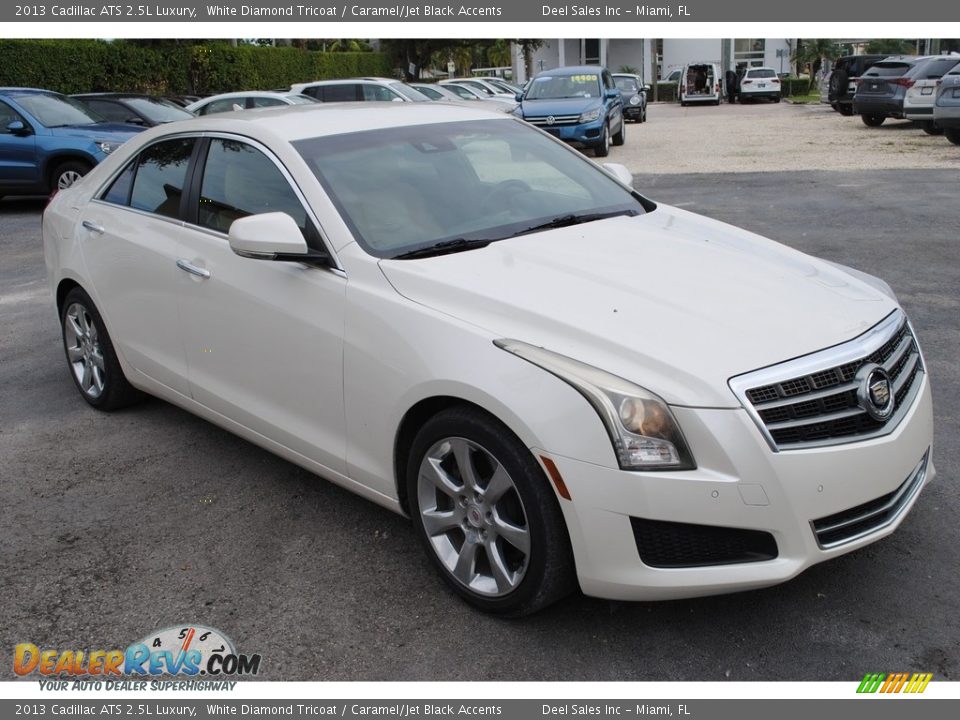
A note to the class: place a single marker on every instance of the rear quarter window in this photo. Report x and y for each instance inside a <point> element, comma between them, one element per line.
<point>887,70</point>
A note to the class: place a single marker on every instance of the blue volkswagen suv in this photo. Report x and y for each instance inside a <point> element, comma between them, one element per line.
<point>580,105</point>
<point>49,141</point>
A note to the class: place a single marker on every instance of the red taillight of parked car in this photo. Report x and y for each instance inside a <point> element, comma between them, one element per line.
<point>904,82</point>
<point>747,82</point>
<point>776,81</point>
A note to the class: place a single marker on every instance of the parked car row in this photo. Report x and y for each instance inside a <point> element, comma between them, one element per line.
<point>910,87</point>
<point>49,140</point>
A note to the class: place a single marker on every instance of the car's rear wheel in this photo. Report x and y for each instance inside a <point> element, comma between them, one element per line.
<point>67,173</point>
<point>621,137</point>
<point>845,109</point>
<point>602,148</point>
<point>953,135</point>
<point>487,515</point>
<point>776,99</point>
<point>873,120</point>
<point>930,128</point>
<point>93,362</point>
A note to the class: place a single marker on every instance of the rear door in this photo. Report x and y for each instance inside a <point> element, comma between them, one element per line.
<point>264,339</point>
<point>130,238</point>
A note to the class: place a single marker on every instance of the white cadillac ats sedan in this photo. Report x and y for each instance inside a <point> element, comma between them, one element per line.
<point>456,316</point>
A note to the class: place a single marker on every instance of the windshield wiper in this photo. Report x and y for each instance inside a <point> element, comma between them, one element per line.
<point>573,219</point>
<point>444,247</point>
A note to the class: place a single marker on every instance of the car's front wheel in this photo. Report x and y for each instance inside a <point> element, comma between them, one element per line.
<point>873,120</point>
<point>845,109</point>
<point>66,174</point>
<point>93,362</point>
<point>487,515</point>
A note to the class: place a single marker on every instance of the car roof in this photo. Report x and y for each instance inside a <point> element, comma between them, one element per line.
<point>247,93</point>
<point>298,122</point>
<point>573,70</point>
<point>27,91</point>
<point>116,95</point>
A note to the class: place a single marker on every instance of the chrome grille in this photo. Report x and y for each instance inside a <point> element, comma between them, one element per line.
<point>541,121</point>
<point>814,400</point>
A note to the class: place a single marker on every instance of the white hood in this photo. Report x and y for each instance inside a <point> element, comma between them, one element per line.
<point>672,301</point>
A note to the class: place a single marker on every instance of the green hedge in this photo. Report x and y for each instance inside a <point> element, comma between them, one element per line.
<point>72,66</point>
<point>794,86</point>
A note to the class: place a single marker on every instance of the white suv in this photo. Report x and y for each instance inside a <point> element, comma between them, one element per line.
<point>759,82</point>
<point>918,100</point>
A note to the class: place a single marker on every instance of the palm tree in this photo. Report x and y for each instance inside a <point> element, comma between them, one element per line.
<point>813,53</point>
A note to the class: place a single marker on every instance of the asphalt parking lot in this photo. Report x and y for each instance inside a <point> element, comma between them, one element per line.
<point>117,524</point>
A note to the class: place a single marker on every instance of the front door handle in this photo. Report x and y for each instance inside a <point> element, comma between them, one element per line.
<point>192,269</point>
<point>93,227</point>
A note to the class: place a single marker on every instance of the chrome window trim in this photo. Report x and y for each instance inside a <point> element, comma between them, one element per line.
<point>858,348</point>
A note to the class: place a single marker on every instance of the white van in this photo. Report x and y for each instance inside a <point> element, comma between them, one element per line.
<point>701,82</point>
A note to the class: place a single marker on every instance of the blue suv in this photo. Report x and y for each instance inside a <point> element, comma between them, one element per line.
<point>49,141</point>
<point>580,105</point>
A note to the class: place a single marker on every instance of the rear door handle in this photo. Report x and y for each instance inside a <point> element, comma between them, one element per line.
<point>93,227</point>
<point>192,269</point>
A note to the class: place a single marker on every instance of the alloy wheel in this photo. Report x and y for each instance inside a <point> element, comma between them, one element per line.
<point>84,352</point>
<point>473,516</point>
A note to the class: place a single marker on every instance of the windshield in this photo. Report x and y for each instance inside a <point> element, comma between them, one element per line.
<point>463,92</point>
<point>57,110</point>
<point>626,84</point>
<point>551,87</point>
<point>401,189</point>
<point>887,69</point>
<point>504,86</point>
<point>409,93</point>
<point>158,110</point>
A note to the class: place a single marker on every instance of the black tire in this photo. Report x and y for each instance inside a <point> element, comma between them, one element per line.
<point>930,128</point>
<point>776,99</point>
<point>839,80</point>
<point>67,173</point>
<point>108,387</point>
<point>873,120</point>
<point>643,114</point>
<point>953,135</point>
<point>602,148</point>
<point>846,109</point>
<point>621,137</point>
<point>546,572</point>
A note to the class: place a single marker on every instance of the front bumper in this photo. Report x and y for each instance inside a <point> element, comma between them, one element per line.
<point>632,112</point>
<point>580,134</point>
<point>739,483</point>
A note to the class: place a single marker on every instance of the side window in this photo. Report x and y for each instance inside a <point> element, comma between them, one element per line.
<point>340,93</point>
<point>119,191</point>
<point>161,172</point>
<point>259,102</point>
<point>378,92</point>
<point>239,180</point>
<point>7,116</point>
<point>224,105</point>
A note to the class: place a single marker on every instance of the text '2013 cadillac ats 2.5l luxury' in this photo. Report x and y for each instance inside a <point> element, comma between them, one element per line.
<point>454,315</point>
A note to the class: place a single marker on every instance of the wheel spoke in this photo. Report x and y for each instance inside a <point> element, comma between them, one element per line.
<point>74,324</point>
<point>438,522</point>
<point>464,570</point>
<point>97,374</point>
<point>500,483</point>
<point>86,378</point>
<point>74,354</point>
<point>437,476</point>
<point>464,456</point>
<point>502,576</point>
<point>513,534</point>
<point>97,359</point>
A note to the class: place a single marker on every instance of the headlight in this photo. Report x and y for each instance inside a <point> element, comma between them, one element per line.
<point>590,115</point>
<point>644,433</point>
<point>635,100</point>
<point>107,147</point>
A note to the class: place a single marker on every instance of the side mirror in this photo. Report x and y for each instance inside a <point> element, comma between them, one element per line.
<point>620,173</point>
<point>18,128</point>
<point>518,97</point>
<point>271,236</point>
<point>134,121</point>
<point>646,88</point>
<point>396,99</point>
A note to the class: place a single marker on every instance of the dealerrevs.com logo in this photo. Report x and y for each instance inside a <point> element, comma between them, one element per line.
<point>894,682</point>
<point>187,650</point>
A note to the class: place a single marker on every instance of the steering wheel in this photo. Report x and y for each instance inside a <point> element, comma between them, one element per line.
<point>501,194</point>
